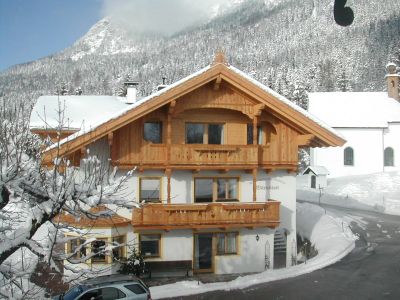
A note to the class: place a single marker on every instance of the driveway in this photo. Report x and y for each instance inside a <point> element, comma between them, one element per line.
<point>370,271</point>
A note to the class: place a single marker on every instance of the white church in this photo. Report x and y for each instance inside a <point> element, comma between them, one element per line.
<point>368,121</point>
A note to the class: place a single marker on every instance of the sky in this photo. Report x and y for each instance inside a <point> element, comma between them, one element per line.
<point>31,29</point>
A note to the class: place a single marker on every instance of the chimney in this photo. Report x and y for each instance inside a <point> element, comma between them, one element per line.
<point>392,81</point>
<point>163,85</point>
<point>131,91</point>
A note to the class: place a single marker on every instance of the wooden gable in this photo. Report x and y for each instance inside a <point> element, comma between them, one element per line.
<point>215,87</point>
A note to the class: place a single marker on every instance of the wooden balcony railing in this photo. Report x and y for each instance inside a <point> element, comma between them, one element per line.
<point>207,215</point>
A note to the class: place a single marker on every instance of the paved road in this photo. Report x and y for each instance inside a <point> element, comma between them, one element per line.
<point>370,271</point>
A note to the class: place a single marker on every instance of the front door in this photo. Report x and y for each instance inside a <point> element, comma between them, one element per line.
<point>203,259</point>
<point>313,181</point>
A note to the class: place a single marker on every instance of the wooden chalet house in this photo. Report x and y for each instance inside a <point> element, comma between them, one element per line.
<point>216,157</point>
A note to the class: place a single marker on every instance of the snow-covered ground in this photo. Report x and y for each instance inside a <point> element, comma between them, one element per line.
<point>376,192</point>
<point>330,234</point>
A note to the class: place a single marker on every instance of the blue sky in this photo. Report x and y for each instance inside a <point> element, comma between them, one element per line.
<point>30,29</point>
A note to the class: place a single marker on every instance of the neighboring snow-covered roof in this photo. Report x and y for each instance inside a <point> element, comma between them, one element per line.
<point>348,109</point>
<point>317,170</point>
<point>79,112</point>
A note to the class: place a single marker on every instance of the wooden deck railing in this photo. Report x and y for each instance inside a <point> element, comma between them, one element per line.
<point>207,215</point>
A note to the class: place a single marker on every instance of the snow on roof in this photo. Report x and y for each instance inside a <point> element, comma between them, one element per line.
<point>288,102</point>
<point>348,109</point>
<point>79,112</point>
<point>140,102</point>
<point>317,170</point>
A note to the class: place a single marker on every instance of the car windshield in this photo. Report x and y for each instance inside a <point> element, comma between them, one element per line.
<point>74,292</point>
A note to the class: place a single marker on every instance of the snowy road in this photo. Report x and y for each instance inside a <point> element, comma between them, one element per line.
<point>370,271</point>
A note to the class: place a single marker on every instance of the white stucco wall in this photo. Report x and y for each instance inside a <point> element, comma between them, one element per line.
<point>367,144</point>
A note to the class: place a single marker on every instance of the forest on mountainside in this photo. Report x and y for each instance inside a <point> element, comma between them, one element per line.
<point>293,47</point>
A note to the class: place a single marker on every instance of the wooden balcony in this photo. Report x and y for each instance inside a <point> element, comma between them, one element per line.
<point>207,215</point>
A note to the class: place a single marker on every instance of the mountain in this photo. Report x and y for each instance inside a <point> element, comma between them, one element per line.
<point>285,44</point>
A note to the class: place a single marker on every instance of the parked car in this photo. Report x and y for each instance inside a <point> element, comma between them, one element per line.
<point>108,287</point>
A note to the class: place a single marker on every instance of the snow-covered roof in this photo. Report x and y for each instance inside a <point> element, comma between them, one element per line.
<point>358,109</point>
<point>113,116</point>
<point>79,112</point>
<point>317,170</point>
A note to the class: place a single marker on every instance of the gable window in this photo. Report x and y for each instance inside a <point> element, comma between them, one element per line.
<point>250,134</point>
<point>348,156</point>
<point>389,157</point>
<point>197,133</point>
<point>215,189</point>
<point>227,243</point>
<point>150,245</point>
<point>76,248</point>
<point>98,249</point>
<point>152,132</point>
<point>149,189</point>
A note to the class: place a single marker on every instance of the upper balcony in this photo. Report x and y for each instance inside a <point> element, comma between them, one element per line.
<point>206,215</point>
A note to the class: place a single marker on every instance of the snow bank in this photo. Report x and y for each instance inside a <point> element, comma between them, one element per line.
<point>331,236</point>
<point>376,192</point>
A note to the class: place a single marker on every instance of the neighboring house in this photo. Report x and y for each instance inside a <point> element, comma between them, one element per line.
<point>216,157</point>
<point>370,122</point>
<point>314,177</point>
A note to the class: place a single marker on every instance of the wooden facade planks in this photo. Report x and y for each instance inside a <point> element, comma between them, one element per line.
<point>206,215</point>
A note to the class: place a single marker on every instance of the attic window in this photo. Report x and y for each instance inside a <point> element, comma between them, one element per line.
<point>152,132</point>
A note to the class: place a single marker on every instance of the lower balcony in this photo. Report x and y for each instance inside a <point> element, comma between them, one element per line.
<point>206,215</point>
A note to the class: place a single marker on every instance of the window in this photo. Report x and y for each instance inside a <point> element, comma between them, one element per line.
<point>150,189</point>
<point>227,243</point>
<point>111,293</point>
<point>348,156</point>
<point>76,248</point>
<point>250,134</point>
<point>150,245</point>
<point>136,288</point>
<point>212,134</point>
<point>215,189</point>
<point>226,189</point>
<point>118,251</point>
<point>98,249</point>
<point>152,132</point>
<point>389,157</point>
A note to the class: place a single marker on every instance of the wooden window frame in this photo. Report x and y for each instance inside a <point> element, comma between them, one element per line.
<point>78,254</point>
<point>159,245</point>
<point>161,132</point>
<point>226,243</point>
<point>120,249</point>
<point>95,260</point>
<point>160,190</point>
<point>260,134</point>
<point>215,189</point>
<point>205,133</point>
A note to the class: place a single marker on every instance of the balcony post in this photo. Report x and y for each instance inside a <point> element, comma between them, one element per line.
<point>168,172</point>
<point>255,185</point>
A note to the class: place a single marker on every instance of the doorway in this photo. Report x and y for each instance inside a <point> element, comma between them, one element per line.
<point>313,181</point>
<point>203,258</point>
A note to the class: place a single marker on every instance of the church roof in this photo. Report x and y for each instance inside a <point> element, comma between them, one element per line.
<point>355,109</point>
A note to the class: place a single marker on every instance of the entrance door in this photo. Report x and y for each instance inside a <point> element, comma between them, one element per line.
<point>203,260</point>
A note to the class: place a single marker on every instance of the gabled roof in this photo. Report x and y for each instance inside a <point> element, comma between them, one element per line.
<point>78,112</point>
<point>358,110</point>
<point>317,170</point>
<point>273,101</point>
